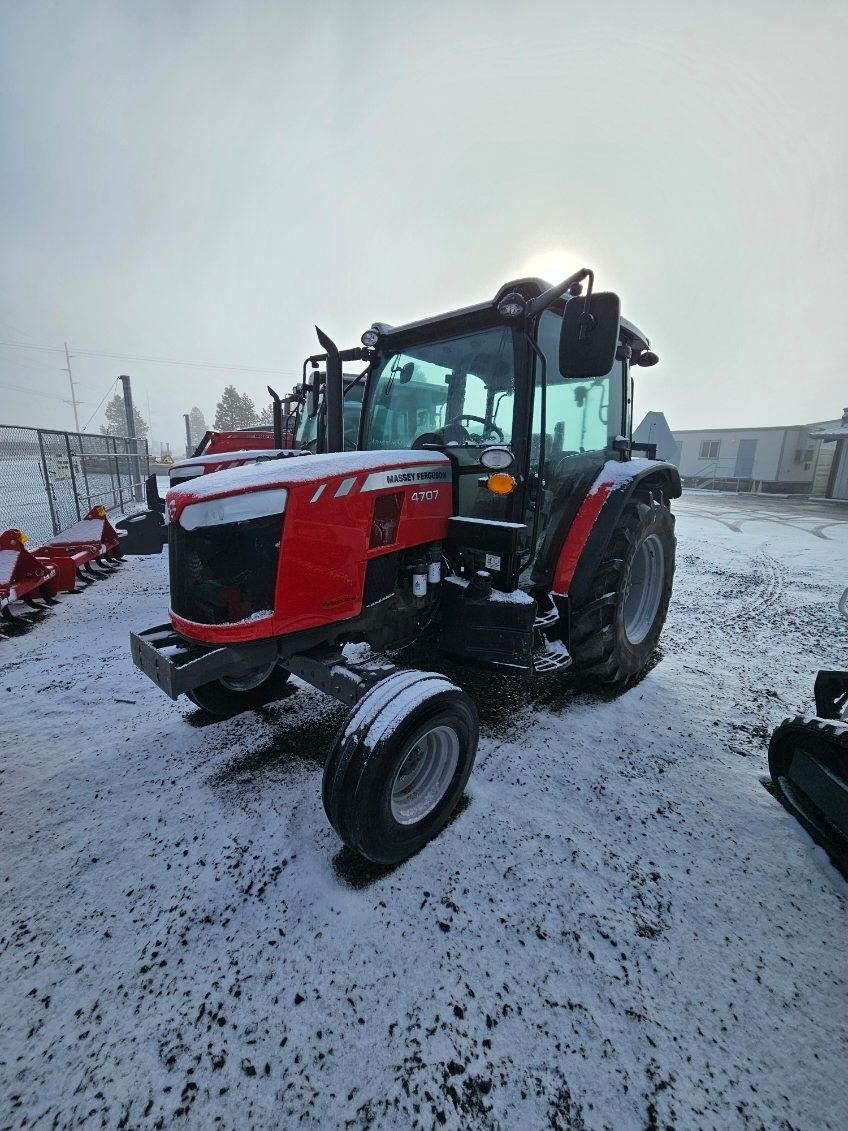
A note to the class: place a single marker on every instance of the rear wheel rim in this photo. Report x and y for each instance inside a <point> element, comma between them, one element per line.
<point>249,680</point>
<point>424,775</point>
<point>644,589</point>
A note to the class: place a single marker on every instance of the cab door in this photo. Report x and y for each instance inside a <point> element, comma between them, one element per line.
<point>583,416</point>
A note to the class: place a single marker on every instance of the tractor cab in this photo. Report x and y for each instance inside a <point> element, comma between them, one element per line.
<point>484,384</point>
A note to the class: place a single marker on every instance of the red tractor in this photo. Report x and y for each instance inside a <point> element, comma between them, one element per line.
<point>493,507</point>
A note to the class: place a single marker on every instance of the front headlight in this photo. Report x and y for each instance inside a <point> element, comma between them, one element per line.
<point>497,458</point>
<point>234,508</point>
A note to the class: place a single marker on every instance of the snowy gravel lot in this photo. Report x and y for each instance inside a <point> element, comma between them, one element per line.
<point>621,929</point>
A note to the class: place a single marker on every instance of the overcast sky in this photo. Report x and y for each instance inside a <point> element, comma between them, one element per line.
<point>205,181</point>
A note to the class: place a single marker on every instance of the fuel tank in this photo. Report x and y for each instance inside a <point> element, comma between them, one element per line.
<point>282,546</point>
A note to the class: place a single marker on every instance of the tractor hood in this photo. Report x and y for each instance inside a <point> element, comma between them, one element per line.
<point>339,474</point>
<point>274,548</point>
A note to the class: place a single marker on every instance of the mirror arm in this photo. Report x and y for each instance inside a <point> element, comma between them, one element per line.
<point>537,508</point>
<point>537,305</point>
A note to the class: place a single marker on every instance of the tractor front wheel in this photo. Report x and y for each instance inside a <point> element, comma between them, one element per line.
<point>399,766</point>
<point>615,631</point>
<point>223,698</point>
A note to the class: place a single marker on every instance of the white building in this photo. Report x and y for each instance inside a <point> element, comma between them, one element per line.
<point>793,460</point>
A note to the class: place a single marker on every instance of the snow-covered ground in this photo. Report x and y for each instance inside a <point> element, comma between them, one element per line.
<point>620,929</point>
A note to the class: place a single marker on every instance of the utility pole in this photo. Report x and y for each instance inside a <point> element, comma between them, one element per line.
<point>73,394</point>
<point>187,420</point>
<point>135,463</point>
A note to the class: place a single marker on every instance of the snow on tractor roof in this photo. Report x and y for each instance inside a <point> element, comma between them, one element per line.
<point>288,472</point>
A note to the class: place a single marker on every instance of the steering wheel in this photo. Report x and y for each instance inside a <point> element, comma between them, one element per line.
<point>489,427</point>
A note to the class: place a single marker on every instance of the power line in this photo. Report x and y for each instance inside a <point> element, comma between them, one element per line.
<point>150,360</point>
<point>36,366</point>
<point>185,364</point>
<point>28,346</point>
<point>32,392</point>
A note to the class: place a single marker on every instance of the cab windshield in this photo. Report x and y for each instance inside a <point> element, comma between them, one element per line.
<point>454,392</point>
<point>308,425</point>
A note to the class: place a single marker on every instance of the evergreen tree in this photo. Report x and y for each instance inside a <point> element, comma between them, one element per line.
<point>266,417</point>
<point>234,410</point>
<point>116,419</point>
<point>196,426</point>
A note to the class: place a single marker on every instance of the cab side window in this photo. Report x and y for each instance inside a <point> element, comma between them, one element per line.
<point>583,415</point>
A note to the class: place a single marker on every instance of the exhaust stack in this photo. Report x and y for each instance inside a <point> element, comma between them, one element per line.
<point>333,395</point>
<point>277,417</point>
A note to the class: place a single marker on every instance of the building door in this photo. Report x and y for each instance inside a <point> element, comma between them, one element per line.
<point>840,479</point>
<point>745,459</point>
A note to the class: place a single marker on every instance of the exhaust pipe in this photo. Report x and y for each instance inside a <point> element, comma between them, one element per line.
<point>333,396</point>
<point>278,418</point>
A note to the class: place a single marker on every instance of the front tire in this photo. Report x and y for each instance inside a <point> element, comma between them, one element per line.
<point>615,631</point>
<point>399,766</point>
<point>224,698</point>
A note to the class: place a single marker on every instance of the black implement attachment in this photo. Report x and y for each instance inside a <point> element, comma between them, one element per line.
<point>145,533</point>
<point>808,763</point>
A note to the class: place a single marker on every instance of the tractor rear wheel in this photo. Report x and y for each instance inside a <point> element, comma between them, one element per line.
<point>615,631</point>
<point>223,698</point>
<point>399,766</point>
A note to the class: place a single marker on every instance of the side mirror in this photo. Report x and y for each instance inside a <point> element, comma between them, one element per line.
<point>312,394</point>
<point>589,337</point>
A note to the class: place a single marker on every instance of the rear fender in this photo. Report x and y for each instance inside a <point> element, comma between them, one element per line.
<point>600,512</point>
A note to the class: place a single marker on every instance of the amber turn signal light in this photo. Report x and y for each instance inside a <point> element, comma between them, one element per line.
<point>501,483</point>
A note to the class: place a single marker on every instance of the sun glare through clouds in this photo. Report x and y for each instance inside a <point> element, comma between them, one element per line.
<point>555,265</point>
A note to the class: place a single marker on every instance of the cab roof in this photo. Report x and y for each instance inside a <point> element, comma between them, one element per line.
<point>466,317</point>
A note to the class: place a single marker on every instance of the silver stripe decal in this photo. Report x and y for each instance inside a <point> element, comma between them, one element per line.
<point>407,476</point>
<point>318,493</point>
<point>345,487</point>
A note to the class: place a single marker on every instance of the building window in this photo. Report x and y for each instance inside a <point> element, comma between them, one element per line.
<point>803,455</point>
<point>709,449</point>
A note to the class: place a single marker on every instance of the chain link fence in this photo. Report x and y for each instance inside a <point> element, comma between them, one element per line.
<point>49,479</point>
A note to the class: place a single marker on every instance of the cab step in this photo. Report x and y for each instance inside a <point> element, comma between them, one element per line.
<point>550,655</point>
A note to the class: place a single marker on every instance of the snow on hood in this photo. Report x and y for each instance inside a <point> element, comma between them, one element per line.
<point>232,457</point>
<point>287,472</point>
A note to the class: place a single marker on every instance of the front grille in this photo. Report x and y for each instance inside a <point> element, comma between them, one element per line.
<point>224,574</point>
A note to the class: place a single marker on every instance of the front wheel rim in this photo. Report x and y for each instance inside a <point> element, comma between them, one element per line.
<point>644,588</point>
<point>249,681</point>
<point>424,775</point>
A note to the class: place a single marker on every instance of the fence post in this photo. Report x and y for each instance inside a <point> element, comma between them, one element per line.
<point>118,471</point>
<point>47,486</point>
<point>111,473</point>
<point>84,472</point>
<point>135,482</point>
<point>73,477</point>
